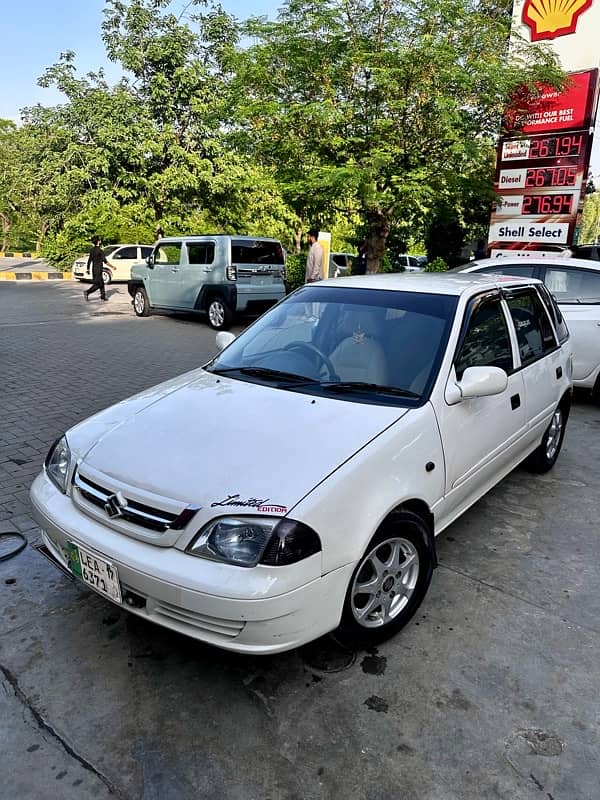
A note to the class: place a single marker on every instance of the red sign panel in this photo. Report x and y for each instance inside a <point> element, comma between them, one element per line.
<point>557,111</point>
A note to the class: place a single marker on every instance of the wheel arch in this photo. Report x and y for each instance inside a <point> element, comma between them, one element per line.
<point>421,510</point>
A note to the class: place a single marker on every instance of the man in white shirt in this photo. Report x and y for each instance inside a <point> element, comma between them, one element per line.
<point>314,262</point>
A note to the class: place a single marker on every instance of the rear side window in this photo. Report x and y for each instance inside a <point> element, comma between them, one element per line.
<point>146,251</point>
<point>534,330</point>
<point>126,252</point>
<point>486,343</point>
<point>168,253</point>
<point>203,253</point>
<point>256,251</point>
<point>560,326</point>
<point>519,270</point>
<point>573,285</point>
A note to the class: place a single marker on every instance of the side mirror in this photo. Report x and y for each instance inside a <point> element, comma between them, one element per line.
<point>150,261</point>
<point>224,339</point>
<point>476,382</point>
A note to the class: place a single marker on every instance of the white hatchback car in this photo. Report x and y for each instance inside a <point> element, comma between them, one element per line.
<point>120,257</point>
<point>575,284</point>
<point>295,484</point>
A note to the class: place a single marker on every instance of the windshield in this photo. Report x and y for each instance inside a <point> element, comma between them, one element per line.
<point>364,345</point>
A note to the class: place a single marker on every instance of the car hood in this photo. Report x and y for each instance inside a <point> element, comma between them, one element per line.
<point>224,443</point>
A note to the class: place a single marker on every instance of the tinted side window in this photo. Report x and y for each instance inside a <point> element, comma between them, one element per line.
<point>203,253</point>
<point>257,251</point>
<point>534,330</point>
<point>168,253</point>
<point>552,308</point>
<point>146,251</point>
<point>520,270</point>
<point>126,252</point>
<point>573,285</point>
<point>487,343</point>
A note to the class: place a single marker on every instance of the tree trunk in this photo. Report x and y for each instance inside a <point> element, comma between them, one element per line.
<point>5,229</point>
<point>379,229</point>
<point>42,230</point>
<point>298,239</point>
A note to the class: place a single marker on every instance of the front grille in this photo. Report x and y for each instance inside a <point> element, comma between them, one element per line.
<point>228,628</point>
<point>144,516</point>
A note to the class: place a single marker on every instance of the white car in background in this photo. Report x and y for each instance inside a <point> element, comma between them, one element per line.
<point>120,257</point>
<point>575,284</point>
<point>295,484</point>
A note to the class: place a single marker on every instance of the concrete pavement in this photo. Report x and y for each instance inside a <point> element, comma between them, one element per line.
<point>492,691</point>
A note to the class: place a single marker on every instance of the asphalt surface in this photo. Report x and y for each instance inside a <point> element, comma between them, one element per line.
<point>491,692</point>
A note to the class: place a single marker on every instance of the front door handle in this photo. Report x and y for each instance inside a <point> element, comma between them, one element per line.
<point>515,402</point>
<point>175,269</point>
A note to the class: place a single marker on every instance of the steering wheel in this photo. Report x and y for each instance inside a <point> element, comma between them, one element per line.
<point>310,348</point>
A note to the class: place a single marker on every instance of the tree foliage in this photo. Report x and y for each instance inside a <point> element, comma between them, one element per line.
<point>372,118</point>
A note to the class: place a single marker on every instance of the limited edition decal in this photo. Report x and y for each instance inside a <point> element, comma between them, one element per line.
<point>265,506</point>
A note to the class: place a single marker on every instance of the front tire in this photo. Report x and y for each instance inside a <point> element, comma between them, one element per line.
<point>141,304</point>
<point>220,316</point>
<point>544,456</point>
<point>389,583</point>
<point>106,277</point>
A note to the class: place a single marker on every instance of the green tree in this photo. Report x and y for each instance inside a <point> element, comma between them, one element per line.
<point>382,107</point>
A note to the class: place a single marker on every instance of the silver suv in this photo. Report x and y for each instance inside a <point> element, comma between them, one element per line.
<point>215,274</point>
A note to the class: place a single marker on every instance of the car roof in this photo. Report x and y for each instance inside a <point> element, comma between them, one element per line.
<point>430,282</point>
<point>202,236</point>
<point>485,263</point>
<point>130,244</point>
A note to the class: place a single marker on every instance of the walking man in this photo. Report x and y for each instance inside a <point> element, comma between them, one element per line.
<point>97,259</point>
<point>314,262</point>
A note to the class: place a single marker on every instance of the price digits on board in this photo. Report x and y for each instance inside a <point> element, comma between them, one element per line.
<point>551,176</point>
<point>547,204</point>
<point>557,146</point>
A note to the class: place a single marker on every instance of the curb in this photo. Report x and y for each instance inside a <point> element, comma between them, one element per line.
<point>11,254</point>
<point>36,276</point>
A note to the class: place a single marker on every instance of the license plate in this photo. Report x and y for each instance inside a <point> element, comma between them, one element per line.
<point>101,575</point>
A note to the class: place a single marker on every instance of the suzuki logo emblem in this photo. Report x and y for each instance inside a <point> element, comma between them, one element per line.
<point>115,505</point>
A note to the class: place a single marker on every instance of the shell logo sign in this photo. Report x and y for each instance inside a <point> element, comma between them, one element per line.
<point>549,19</point>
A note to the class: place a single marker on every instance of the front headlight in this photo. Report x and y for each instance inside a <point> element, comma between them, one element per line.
<point>248,541</point>
<point>57,464</point>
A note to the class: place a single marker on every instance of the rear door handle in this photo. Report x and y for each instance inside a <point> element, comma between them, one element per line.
<point>559,372</point>
<point>175,269</point>
<point>515,402</point>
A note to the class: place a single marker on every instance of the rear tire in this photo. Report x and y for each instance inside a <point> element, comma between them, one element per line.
<point>544,456</point>
<point>141,304</point>
<point>220,316</point>
<point>389,582</point>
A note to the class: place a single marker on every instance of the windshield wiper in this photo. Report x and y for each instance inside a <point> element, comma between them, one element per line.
<point>265,372</point>
<point>363,386</point>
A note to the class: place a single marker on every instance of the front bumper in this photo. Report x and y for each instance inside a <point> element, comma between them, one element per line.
<point>244,624</point>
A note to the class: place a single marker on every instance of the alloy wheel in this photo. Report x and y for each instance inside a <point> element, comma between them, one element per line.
<point>384,582</point>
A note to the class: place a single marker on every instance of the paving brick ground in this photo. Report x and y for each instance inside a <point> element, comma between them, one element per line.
<point>62,359</point>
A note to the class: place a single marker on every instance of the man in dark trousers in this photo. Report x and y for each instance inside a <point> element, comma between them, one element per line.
<point>97,259</point>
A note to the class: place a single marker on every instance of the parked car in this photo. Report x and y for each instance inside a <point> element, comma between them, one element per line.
<point>295,484</point>
<point>406,263</point>
<point>575,284</point>
<point>214,274</point>
<point>120,257</point>
<point>340,264</point>
<point>590,252</point>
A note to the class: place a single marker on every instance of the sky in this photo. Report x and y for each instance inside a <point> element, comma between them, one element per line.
<point>36,32</point>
